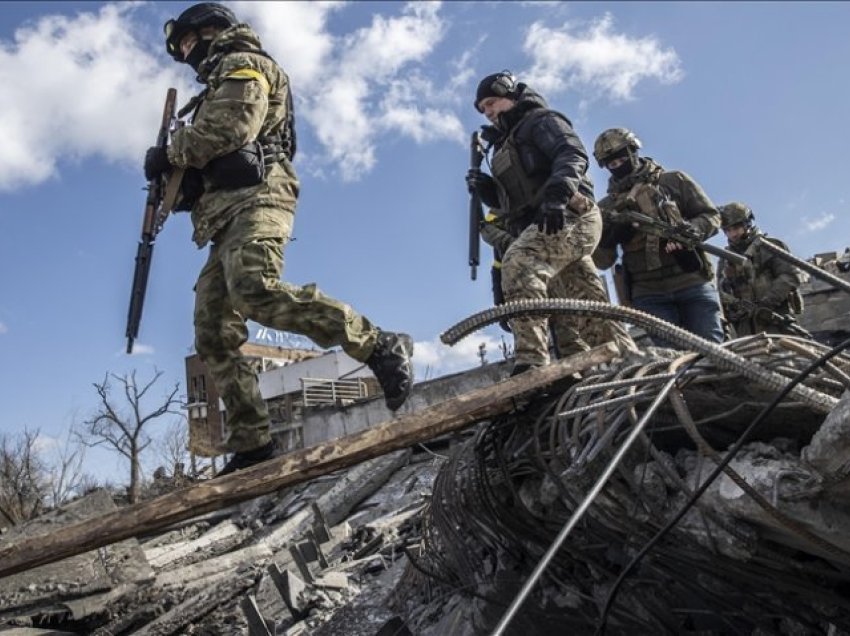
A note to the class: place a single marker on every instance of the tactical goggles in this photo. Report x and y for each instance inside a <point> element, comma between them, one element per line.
<point>174,32</point>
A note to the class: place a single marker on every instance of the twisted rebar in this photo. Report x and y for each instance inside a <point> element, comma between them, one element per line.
<point>653,325</point>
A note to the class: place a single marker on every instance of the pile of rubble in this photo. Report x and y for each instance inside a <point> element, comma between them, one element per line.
<point>440,539</point>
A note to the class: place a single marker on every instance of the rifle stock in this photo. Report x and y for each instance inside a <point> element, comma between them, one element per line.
<point>154,216</point>
<point>476,212</point>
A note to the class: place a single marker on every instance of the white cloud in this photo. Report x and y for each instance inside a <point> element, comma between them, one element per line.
<point>596,61</point>
<point>432,358</point>
<point>76,87</point>
<point>87,85</point>
<point>355,87</point>
<point>138,350</point>
<point>818,223</point>
<point>3,329</point>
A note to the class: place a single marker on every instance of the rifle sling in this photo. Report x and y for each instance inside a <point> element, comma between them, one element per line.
<point>172,191</point>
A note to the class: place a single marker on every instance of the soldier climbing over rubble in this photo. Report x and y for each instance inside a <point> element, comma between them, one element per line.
<point>240,147</point>
<point>762,294</point>
<point>539,182</point>
<point>663,278</point>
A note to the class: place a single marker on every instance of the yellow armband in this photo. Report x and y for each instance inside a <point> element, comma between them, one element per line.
<point>250,74</point>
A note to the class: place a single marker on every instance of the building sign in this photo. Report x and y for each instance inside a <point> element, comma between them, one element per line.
<point>266,336</point>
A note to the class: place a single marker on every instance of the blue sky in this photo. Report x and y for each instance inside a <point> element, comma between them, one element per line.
<point>749,98</point>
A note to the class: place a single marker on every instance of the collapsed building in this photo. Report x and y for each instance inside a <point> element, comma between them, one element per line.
<point>701,490</point>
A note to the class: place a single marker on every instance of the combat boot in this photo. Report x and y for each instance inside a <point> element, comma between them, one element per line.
<point>246,459</point>
<point>390,362</point>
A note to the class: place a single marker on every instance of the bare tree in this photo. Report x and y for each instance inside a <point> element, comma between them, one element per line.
<point>173,446</point>
<point>23,484</point>
<point>123,430</point>
<point>64,470</point>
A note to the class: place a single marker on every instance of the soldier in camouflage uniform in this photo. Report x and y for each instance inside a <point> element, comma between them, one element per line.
<point>663,278</point>
<point>239,147</point>
<point>762,294</point>
<point>572,333</point>
<point>539,180</point>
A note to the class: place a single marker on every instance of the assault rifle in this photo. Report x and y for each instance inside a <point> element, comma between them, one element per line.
<point>476,212</point>
<point>769,316</point>
<point>683,235</point>
<point>161,198</point>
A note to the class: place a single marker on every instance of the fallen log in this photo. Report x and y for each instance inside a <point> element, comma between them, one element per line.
<point>296,467</point>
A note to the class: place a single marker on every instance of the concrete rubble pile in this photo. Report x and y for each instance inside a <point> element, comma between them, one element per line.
<point>439,540</point>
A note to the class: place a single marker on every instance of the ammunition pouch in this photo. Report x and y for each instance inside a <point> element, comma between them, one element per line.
<point>238,169</point>
<point>191,189</point>
<point>247,166</point>
<point>689,260</point>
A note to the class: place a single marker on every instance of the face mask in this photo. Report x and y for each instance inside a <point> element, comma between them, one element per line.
<point>198,53</point>
<point>622,170</point>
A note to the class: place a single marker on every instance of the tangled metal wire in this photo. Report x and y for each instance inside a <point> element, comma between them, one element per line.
<point>501,499</point>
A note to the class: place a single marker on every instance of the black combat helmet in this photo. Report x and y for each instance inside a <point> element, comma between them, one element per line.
<point>192,19</point>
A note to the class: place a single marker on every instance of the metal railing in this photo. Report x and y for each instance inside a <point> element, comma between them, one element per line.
<point>316,391</point>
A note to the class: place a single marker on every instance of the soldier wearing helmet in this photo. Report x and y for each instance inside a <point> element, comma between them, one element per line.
<point>240,146</point>
<point>661,277</point>
<point>761,295</point>
<point>540,187</point>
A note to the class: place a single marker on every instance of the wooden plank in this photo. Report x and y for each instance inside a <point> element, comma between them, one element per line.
<point>302,465</point>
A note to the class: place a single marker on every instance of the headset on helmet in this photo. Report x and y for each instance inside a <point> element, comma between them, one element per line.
<point>611,142</point>
<point>501,84</point>
<point>504,84</point>
<point>192,19</point>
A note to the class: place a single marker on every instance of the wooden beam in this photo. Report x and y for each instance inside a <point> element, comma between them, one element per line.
<point>301,465</point>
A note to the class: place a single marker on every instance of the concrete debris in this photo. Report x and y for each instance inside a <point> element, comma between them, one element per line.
<point>439,539</point>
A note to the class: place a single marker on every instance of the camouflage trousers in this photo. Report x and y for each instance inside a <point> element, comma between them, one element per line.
<point>539,265</point>
<point>241,281</point>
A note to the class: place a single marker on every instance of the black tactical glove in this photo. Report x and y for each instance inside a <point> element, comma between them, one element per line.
<point>156,162</point>
<point>476,180</point>
<point>552,217</point>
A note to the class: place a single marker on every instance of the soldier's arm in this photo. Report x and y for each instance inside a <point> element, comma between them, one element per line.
<point>694,204</point>
<point>556,139</point>
<point>229,118</point>
<point>786,278</point>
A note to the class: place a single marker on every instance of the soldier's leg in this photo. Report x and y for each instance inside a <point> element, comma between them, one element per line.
<point>529,265</point>
<point>567,329</point>
<point>252,269</point>
<point>581,280</point>
<point>699,307</point>
<point>219,332</point>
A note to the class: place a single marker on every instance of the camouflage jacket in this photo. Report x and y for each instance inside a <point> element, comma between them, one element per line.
<point>764,280</point>
<point>650,268</point>
<point>245,98</point>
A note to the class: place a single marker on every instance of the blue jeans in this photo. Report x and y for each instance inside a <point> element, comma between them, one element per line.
<point>695,308</point>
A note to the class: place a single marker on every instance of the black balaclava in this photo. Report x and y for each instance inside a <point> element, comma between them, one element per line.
<point>624,170</point>
<point>199,52</point>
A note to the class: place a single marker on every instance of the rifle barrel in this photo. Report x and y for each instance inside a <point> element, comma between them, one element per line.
<point>476,213</point>
<point>815,271</point>
<point>150,227</point>
<point>719,252</point>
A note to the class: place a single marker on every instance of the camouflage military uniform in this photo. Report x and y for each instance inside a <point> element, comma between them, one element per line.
<point>572,333</point>
<point>537,160</point>
<point>764,282</point>
<point>248,227</point>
